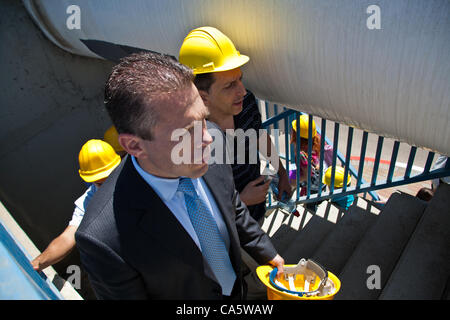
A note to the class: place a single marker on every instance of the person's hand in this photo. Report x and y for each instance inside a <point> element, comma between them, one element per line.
<point>255,191</point>
<point>278,262</point>
<point>283,185</point>
<point>36,263</point>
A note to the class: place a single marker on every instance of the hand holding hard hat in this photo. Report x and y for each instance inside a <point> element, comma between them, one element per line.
<point>278,262</point>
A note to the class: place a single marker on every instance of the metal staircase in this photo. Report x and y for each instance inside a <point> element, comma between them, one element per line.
<point>403,247</point>
<point>408,242</point>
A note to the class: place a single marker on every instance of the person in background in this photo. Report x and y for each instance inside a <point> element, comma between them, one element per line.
<point>216,65</point>
<point>441,162</point>
<point>315,150</point>
<point>426,194</point>
<point>344,201</point>
<point>97,160</point>
<point>112,137</point>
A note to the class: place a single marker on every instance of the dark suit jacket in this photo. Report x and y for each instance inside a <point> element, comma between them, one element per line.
<point>133,247</point>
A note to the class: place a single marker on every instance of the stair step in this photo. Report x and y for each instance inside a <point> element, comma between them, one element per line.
<point>307,240</point>
<point>381,246</point>
<point>423,269</point>
<point>339,245</point>
<point>446,293</point>
<point>283,238</point>
<point>283,227</point>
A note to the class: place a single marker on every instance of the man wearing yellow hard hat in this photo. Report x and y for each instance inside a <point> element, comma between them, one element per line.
<point>97,160</point>
<point>216,65</point>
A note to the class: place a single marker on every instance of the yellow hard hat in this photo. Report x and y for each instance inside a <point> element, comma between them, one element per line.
<point>97,160</point>
<point>338,177</point>
<point>304,125</point>
<point>264,273</point>
<point>112,137</point>
<point>206,50</point>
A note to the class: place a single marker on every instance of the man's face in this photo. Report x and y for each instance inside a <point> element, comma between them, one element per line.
<point>226,94</point>
<point>182,110</point>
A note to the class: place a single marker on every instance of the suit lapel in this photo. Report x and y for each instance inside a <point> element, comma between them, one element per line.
<point>158,222</point>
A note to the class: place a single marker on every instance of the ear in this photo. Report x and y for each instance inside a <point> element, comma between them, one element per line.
<point>131,144</point>
<point>205,97</point>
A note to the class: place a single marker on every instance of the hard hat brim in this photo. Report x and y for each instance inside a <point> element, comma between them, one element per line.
<point>101,173</point>
<point>231,64</point>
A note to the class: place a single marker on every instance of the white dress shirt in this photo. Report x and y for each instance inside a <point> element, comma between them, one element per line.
<point>166,189</point>
<point>81,204</point>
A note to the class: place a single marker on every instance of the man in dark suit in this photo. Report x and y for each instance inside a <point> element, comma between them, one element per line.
<point>158,228</point>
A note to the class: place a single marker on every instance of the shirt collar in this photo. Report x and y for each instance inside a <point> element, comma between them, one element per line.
<point>164,187</point>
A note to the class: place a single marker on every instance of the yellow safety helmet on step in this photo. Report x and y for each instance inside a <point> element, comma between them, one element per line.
<point>97,160</point>
<point>338,177</point>
<point>304,125</point>
<point>112,137</point>
<point>206,50</point>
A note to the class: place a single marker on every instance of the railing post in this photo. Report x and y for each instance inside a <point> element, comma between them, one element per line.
<point>362,158</point>
<point>347,157</point>
<point>335,150</point>
<point>310,141</point>
<point>286,143</point>
<point>275,126</point>
<point>427,167</point>
<point>409,166</point>
<point>297,153</point>
<point>377,160</point>
<point>322,151</point>
<point>393,161</point>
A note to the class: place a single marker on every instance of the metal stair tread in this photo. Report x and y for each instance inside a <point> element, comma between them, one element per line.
<point>381,246</point>
<point>339,245</point>
<point>423,270</point>
<point>307,240</point>
<point>282,239</point>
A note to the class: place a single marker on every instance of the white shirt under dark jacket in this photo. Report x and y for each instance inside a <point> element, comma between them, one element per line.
<point>166,189</point>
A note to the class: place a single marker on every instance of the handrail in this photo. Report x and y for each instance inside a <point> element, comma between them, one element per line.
<point>376,183</point>
<point>285,116</point>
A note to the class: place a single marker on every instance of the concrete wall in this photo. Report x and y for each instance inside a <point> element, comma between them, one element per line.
<point>51,104</point>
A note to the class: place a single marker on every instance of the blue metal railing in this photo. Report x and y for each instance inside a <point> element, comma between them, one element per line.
<point>18,279</point>
<point>361,186</point>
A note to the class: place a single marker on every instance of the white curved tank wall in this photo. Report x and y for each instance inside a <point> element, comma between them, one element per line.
<point>314,56</point>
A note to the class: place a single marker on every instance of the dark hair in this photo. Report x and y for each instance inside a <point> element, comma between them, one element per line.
<point>425,194</point>
<point>138,84</point>
<point>204,81</point>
